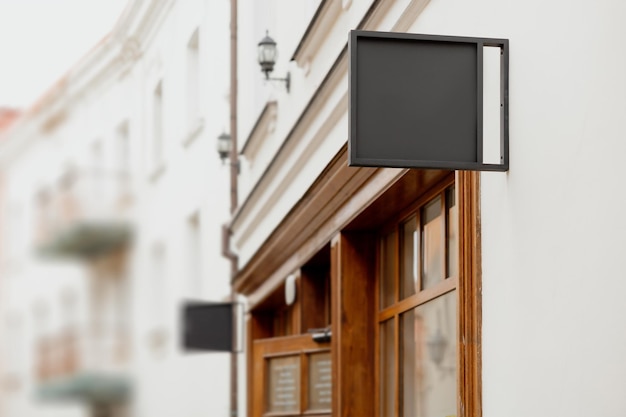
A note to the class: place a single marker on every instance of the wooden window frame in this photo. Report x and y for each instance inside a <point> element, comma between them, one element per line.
<point>449,283</point>
<point>469,289</point>
<point>467,285</point>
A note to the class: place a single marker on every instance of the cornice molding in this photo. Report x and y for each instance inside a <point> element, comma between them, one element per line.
<point>262,127</point>
<point>323,19</point>
<point>310,112</point>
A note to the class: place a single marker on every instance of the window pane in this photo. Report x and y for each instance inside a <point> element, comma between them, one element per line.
<point>284,384</point>
<point>428,358</point>
<point>432,245</point>
<point>388,269</point>
<point>320,381</point>
<point>452,241</point>
<point>409,262</point>
<point>387,365</point>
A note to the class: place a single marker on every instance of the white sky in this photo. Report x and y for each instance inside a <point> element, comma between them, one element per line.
<point>41,39</point>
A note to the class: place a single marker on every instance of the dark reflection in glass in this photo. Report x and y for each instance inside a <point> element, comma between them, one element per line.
<point>387,365</point>
<point>410,259</point>
<point>388,269</point>
<point>428,359</point>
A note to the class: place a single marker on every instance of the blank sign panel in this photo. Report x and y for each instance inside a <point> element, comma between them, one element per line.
<point>416,101</point>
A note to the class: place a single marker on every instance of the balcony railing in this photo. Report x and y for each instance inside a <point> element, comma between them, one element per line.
<point>83,367</point>
<point>87,214</point>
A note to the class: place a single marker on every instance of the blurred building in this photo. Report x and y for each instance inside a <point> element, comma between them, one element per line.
<point>113,200</point>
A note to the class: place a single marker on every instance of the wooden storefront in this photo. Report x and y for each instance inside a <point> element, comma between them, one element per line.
<point>387,263</point>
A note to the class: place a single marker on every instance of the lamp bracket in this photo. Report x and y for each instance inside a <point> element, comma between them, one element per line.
<point>286,80</point>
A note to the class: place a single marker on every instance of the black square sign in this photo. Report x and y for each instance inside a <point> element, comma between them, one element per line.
<point>416,101</point>
<point>207,326</point>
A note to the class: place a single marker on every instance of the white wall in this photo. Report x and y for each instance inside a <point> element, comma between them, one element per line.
<point>553,229</point>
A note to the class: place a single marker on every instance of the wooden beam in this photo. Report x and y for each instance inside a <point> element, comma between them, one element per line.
<point>353,277</point>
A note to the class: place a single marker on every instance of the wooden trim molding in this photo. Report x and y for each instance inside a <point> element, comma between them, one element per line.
<point>469,296</point>
<point>336,185</point>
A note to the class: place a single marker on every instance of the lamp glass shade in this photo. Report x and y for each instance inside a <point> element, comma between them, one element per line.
<point>224,144</point>
<point>267,54</point>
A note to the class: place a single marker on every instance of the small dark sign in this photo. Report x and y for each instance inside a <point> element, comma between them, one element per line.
<point>208,326</point>
<point>416,101</point>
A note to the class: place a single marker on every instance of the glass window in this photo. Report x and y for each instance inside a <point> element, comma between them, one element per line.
<point>284,384</point>
<point>417,330</point>
<point>432,243</point>
<point>452,233</point>
<point>387,366</point>
<point>320,381</point>
<point>428,358</point>
<point>389,262</point>
<point>410,259</point>
<point>193,80</point>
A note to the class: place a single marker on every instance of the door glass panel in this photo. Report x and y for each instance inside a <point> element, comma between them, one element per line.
<point>432,245</point>
<point>320,381</point>
<point>428,358</point>
<point>283,384</point>
<point>387,365</point>
<point>409,258</point>
<point>388,269</point>
<point>452,241</point>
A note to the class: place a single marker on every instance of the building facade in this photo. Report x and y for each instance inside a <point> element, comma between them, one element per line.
<point>432,292</point>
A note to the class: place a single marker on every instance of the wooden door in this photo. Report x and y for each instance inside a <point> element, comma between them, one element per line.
<point>292,376</point>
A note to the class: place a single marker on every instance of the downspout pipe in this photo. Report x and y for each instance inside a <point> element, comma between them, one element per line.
<point>230,255</point>
<point>226,232</point>
<point>234,152</point>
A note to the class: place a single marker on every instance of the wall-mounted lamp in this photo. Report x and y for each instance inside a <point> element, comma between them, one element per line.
<point>290,289</point>
<point>224,145</point>
<point>267,59</point>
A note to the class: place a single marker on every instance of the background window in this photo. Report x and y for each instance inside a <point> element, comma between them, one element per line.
<point>157,125</point>
<point>193,81</point>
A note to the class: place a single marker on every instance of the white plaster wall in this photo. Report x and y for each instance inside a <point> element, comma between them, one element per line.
<point>553,232</point>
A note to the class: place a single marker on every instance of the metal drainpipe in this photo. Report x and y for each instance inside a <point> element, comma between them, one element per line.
<point>234,172</point>
<point>234,159</point>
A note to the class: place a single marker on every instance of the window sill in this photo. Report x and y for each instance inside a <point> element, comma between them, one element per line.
<point>194,132</point>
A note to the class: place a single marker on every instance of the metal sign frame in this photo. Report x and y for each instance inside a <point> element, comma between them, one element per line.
<point>471,143</point>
